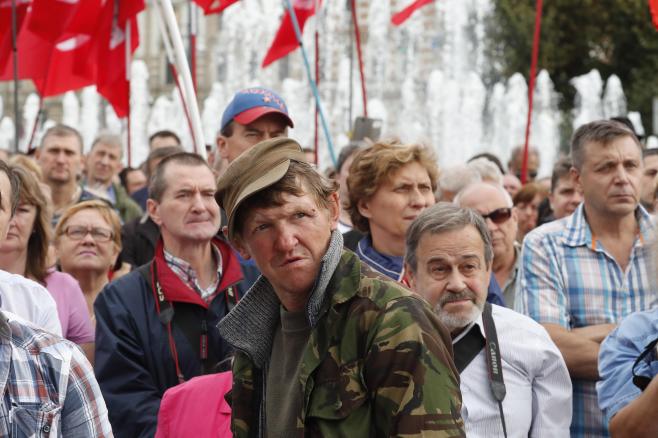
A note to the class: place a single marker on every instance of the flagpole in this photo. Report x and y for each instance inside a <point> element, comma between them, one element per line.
<point>192,30</point>
<point>357,36</point>
<point>172,31</point>
<point>351,87</point>
<point>14,47</point>
<point>128,65</point>
<point>531,90</point>
<point>317,80</point>
<point>309,75</point>
<point>169,53</point>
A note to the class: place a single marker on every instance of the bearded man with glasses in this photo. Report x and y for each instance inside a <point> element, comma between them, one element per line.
<point>495,205</point>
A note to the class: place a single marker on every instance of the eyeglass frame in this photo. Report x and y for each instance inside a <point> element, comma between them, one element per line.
<point>507,211</point>
<point>90,230</point>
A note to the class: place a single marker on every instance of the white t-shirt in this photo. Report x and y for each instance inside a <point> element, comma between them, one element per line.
<point>30,301</point>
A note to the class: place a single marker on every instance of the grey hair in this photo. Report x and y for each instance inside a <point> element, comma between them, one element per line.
<point>508,198</point>
<point>457,177</point>
<point>488,171</point>
<point>109,139</point>
<point>442,218</point>
<point>600,131</point>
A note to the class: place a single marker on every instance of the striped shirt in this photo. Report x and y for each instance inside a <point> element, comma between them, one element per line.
<point>48,388</point>
<point>568,279</point>
<point>186,273</point>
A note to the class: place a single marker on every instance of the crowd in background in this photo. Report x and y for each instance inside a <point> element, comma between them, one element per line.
<point>567,250</point>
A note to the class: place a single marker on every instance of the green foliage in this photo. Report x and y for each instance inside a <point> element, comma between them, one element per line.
<point>613,36</point>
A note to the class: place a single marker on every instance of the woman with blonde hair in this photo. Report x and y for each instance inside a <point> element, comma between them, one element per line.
<point>389,184</point>
<point>88,242</point>
<point>25,252</point>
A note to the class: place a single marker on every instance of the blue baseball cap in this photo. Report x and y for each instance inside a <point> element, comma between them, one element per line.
<point>252,103</point>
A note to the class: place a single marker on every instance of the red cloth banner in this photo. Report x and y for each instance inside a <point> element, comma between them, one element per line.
<point>402,16</point>
<point>285,40</point>
<point>6,63</point>
<point>653,6</point>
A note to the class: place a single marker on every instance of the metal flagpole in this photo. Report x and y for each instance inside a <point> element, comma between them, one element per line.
<point>14,47</point>
<point>172,32</point>
<point>309,75</point>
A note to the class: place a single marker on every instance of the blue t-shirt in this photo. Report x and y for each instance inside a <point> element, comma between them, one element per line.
<point>616,358</point>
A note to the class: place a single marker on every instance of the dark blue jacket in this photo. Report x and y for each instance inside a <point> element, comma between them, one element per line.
<point>134,363</point>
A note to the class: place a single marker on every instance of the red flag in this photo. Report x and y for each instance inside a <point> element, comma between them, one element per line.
<point>111,80</point>
<point>653,6</point>
<point>402,16</point>
<point>285,40</point>
<point>62,62</point>
<point>5,30</point>
<point>214,6</point>
<point>50,18</point>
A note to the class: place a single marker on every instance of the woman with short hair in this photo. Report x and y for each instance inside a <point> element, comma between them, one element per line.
<point>88,242</point>
<point>389,185</point>
<point>25,252</point>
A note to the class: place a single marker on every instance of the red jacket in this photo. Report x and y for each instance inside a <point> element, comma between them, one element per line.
<point>197,408</point>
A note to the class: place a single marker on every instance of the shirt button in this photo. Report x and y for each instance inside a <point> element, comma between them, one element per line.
<point>46,428</point>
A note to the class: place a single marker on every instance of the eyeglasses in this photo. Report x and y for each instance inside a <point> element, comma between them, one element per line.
<point>499,215</point>
<point>78,232</point>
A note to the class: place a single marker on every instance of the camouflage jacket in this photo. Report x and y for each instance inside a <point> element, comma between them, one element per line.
<point>378,363</point>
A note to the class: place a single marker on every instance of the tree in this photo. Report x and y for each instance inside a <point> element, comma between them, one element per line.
<point>613,36</point>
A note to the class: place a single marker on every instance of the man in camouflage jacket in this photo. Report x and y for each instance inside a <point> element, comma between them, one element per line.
<point>373,361</point>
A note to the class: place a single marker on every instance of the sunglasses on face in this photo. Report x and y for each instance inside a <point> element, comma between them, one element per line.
<point>499,215</point>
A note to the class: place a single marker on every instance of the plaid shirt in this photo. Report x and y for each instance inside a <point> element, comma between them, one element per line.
<point>569,280</point>
<point>188,276</point>
<point>48,387</point>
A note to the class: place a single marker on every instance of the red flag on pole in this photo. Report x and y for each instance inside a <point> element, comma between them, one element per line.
<point>653,6</point>
<point>50,18</point>
<point>402,16</point>
<point>112,78</point>
<point>5,30</point>
<point>285,40</point>
<point>214,6</point>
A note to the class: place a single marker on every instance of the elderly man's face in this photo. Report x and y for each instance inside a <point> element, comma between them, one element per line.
<point>288,242</point>
<point>452,275</point>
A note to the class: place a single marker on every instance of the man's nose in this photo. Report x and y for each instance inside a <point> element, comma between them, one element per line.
<point>285,239</point>
<point>455,282</point>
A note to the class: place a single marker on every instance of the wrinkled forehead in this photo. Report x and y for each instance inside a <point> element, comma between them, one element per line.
<point>177,176</point>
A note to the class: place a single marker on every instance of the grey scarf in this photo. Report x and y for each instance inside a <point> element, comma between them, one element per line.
<point>250,326</point>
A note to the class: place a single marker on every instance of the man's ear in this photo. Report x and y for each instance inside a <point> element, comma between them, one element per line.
<point>575,176</point>
<point>334,210</point>
<point>222,146</point>
<point>239,246</point>
<point>409,274</point>
<point>153,209</point>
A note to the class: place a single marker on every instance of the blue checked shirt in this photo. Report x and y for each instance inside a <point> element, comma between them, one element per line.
<point>569,280</point>
<point>48,388</point>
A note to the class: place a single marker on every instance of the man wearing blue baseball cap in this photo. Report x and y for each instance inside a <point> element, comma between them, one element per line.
<point>254,114</point>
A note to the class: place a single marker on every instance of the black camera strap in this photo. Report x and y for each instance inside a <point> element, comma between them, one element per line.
<point>470,345</point>
<point>643,381</point>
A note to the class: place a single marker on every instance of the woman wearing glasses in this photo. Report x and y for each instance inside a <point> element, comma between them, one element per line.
<point>88,241</point>
<point>25,252</point>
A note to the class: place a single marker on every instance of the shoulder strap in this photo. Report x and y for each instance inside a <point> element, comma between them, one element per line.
<point>643,381</point>
<point>494,364</point>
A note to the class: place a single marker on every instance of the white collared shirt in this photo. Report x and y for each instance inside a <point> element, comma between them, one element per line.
<point>30,301</point>
<point>538,399</point>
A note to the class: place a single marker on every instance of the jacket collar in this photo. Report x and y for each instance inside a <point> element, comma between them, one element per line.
<point>579,233</point>
<point>249,327</point>
<point>175,289</point>
<point>391,266</point>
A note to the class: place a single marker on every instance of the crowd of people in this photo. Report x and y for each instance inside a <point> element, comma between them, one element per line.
<point>250,294</point>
